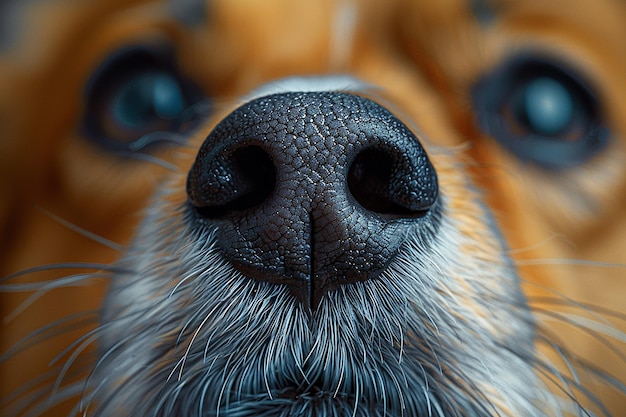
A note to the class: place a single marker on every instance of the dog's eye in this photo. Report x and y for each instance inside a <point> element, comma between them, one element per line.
<point>146,99</point>
<point>136,99</point>
<point>546,107</point>
<point>541,112</point>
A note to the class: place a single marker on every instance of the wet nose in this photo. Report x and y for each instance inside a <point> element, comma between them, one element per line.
<point>312,190</point>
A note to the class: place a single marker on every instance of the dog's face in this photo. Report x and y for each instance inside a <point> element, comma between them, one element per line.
<point>326,208</point>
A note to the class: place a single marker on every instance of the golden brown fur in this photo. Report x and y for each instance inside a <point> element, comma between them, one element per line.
<point>566,230</point>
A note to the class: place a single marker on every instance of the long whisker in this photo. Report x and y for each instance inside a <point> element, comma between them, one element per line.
<point>62,326</point>
<point>79,346</point>
<point>140,156</point>
<point>59,266</point>
<point>158,137</point>
<point>588,326</point>
<point>38,408</point>
<point>51,284</point>
<point>571,262</point>
<point>566,302</point>
<point>79,280</point>
<point>548,371</point>
<point>81,231</point>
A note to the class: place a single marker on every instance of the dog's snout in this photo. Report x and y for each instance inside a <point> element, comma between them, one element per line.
<point>312,190</point>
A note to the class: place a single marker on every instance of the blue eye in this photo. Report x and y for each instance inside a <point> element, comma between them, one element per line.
<point>146,97</point>
<point>136,92</point>
<point>548,106</point>
<point>541,112</point>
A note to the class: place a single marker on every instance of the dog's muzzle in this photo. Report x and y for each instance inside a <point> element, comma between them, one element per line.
<point>312,190</point>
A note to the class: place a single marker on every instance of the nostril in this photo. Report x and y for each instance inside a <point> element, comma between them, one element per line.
<point>377,179</point>
<point>368,180</point>
<point>231,181</point>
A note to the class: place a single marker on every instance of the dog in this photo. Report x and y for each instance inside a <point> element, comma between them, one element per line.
<point>283,208</point>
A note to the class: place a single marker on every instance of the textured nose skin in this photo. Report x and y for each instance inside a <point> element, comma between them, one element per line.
<point>312,190</point>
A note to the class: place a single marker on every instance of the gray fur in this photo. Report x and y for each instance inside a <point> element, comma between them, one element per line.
<point>213,342</point>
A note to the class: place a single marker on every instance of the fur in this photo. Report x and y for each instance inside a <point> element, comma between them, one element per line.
<point>512,307</point>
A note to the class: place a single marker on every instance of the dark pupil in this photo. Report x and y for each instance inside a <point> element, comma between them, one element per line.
<point>547,106</point>
<point>147,97</point>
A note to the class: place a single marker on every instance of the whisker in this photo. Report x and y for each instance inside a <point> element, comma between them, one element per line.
<point>79,346</point>
<point>551,372</point>
<point>595,328</point>
<point>558,380</point>
<point>59,266</point>
<point>158,136</point>
<point>148,158</point>
<point>51,284</point>
<point>564,301</point>
<point>34,394</point>
<point>601,313</point>
<point>570,262</point>
<point>58,327</point>
<point>79,280</point>
<point>35,397</point>
<point>39,408</point>
<point>553,237</point>
<point>598,336</point>
<point>610,380</point>
<point>81,231</point>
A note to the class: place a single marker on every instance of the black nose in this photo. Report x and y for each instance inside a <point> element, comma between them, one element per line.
<point>313,190</point>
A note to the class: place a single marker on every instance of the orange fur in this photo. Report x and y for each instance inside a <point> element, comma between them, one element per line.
<point>566,230</point>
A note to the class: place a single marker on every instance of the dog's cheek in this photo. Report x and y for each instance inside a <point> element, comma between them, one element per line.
<point>558,249</point>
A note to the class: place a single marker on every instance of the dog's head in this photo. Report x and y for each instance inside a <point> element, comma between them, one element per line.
<point>365,208</point>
